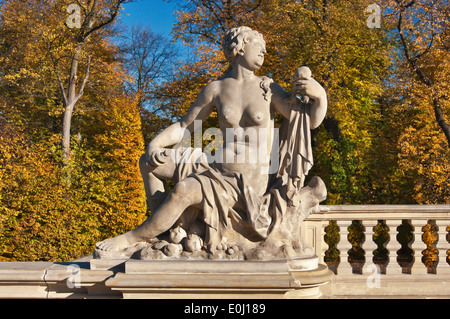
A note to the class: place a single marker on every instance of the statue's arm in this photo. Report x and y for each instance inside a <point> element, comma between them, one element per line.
<point>281,100</point>
<point>200,110</point>
<point>318,110</point>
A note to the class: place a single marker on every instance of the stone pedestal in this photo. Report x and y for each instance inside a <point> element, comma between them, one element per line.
<point>230,279</point>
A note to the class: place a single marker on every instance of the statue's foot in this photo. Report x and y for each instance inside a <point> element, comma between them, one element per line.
<point>117,243</point>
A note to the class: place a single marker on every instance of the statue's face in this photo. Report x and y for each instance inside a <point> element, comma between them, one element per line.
<point>253,53</point>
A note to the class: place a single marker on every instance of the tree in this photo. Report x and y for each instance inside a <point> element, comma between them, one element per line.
<point>115,145</point>
<point>97,15</point>
<point>416,105</point>
<point>149,59</point>
<point>423,31</point>
<point>66,43</point>
<point>42,217</point>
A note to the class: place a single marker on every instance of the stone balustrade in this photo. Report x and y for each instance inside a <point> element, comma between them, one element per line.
<point>375,251</point>
<point>400,242</point>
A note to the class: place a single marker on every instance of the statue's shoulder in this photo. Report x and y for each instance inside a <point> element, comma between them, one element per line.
<point>212,88</point>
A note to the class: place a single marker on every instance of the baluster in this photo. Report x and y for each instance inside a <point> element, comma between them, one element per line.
<point>418,246</point>
<point>442,245</point>
<point>344,246</point>
<point>369,245</point>
<point>393,246</point>
<point>324,246</point>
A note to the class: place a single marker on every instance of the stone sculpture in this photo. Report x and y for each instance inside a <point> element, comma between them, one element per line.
<point>236,206</point>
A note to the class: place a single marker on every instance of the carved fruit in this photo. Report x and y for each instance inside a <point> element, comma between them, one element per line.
<point>193,243</point>
<point>303,72</point>
<point>160,245</point>
<point>177,234</point>
<point>172,250</point>
<point>230,251</point>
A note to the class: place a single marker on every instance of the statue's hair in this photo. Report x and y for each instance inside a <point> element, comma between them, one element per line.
<point>234,40</point>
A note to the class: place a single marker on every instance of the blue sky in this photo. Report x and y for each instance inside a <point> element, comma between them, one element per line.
<point>158,14</point>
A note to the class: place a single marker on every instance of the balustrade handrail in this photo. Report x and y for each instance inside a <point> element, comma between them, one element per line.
<point>381,212</point>
<point>392,216</point>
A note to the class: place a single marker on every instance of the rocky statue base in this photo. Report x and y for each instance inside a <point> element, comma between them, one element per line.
<point>285,242</point>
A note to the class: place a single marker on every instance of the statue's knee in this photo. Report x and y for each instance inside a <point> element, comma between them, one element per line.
<point>180,189</point>
<point>186,189</point>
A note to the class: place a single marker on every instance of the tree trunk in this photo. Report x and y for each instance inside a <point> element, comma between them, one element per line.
<point>439,114</point>
<point>65,144</point>
<point>69,103</point>
<point>72,95</point>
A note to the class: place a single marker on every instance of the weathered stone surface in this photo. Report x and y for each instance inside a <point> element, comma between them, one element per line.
<point>248,200</point>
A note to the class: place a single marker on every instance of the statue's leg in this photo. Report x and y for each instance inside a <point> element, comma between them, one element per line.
<point>155,178</point>
<point>186,193</point>
<point>155,188</point>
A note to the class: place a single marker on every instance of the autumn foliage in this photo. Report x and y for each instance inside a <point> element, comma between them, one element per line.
<point>52,209</point>
<point>383,141</point>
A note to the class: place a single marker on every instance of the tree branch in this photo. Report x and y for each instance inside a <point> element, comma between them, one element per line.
<point>86,76</point>
<point>58,77</point>
<point>410,59</point>
<point>111,18</point>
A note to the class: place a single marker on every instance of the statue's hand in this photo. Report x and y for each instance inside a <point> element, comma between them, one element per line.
<point>156,157</point>
<point>309,87</point>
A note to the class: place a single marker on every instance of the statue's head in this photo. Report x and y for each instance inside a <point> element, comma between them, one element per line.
<point>234,41</point>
